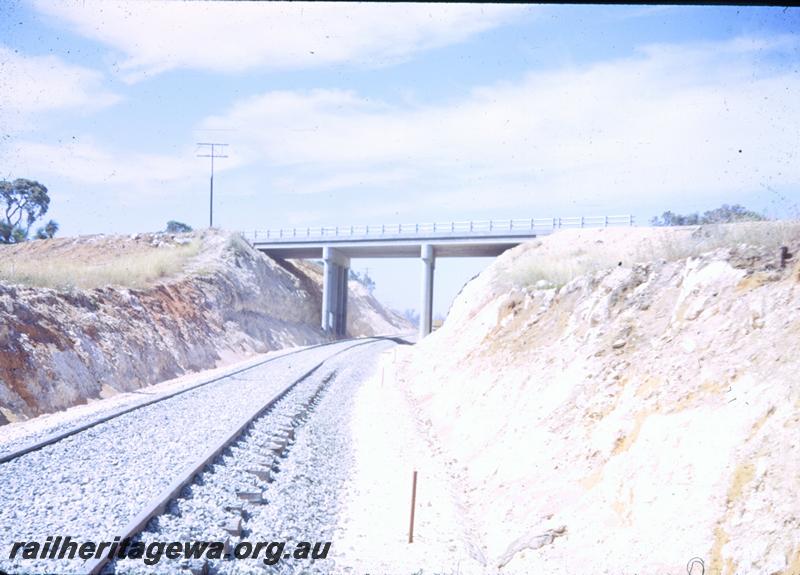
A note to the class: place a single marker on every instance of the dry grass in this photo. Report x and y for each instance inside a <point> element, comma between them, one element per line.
<point>562,257</point>
<point>136,269</point>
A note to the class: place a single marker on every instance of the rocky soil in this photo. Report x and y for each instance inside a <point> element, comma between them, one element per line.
<point>627,420</point>
<point>61,347</point>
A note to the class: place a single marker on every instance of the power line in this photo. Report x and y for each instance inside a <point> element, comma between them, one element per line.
<point>212,155</point>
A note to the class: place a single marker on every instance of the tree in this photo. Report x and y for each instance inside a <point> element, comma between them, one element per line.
<point>47,231</point>
<point>412,316</point>
<point>10,234</point>
<point>670,219</point>
<point>729,214</point>
<point>725,214</point>
<point>363,279</point>
<point>25,202</point>
<point>174,227</point>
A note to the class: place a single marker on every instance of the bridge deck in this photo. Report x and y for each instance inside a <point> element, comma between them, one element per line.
<point>394,248</point>
<point>474,238</point>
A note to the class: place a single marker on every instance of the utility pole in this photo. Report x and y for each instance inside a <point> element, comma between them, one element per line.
<point>214,154</point>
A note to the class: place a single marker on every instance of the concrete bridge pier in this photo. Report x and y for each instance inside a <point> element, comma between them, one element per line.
<point>428,259</point>
<point>334,291</point>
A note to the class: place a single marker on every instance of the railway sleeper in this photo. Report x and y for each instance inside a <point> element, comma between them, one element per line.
<point>269,461</point>
<point>233,526</point>
<point>263,473</point>
<point>278,440</point>
<point>251,496</point>
<point>277,448</point>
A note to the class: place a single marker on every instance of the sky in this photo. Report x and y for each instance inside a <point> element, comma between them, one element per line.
<point>339,114</point>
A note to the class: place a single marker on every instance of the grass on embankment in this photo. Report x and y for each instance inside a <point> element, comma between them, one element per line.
<point>566,255</point>
<point>134,269</point>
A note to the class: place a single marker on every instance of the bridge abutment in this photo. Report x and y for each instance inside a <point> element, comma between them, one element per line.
<point>334,291</point>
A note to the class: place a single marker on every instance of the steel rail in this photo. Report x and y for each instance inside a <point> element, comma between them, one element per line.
<point>159,503</point>
<point>58,436</point>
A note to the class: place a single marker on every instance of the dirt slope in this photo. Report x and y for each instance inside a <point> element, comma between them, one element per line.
<point>219,302</point>
<point>634,417</point>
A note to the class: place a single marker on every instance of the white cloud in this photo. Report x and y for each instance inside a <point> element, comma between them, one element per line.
<point>668,122</point>
<point>35,84</point>
<point>86,162</point>
<point>236,36</point>
<point>326,183</point>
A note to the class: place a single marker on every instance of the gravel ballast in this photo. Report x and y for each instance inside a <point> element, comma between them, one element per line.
<point>302,495</point>
<point>91,484</point>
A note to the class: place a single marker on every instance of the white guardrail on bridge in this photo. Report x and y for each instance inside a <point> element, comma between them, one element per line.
<point>444,229</point>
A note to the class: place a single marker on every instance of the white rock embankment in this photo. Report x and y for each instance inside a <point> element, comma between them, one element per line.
<point>632,419</point>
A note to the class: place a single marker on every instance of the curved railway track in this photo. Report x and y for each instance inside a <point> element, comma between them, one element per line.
<point>111,476</point>
<point>74,429</point>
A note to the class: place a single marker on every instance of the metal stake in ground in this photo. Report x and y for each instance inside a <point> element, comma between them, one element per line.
<point>413,504</point>
<point>212,155</point>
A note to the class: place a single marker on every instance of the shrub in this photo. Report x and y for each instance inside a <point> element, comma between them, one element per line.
<point>174,227</point>
<point>725,214</point>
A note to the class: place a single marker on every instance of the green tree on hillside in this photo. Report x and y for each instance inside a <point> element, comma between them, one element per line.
<point>22,202</point>
<point>725,214</point>
<point>174,227</point>
<point>412,316</point>
<point>363,279</point>
<point>47,231</point>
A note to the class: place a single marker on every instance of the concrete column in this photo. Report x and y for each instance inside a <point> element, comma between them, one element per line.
<point>337,300</point>
<point>334,291</point>
<point>426,307</point>
<point>327,287</point>
<point>341,302</point>
<point>345,293</point>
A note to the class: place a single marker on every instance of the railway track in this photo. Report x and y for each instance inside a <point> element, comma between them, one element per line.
<point>111,478</point>
<point>66,430</point>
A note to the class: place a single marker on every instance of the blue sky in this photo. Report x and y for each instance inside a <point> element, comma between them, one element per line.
<point>339,114</point>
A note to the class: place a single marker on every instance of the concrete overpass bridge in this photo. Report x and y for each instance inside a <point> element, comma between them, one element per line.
<point>336,246</point>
